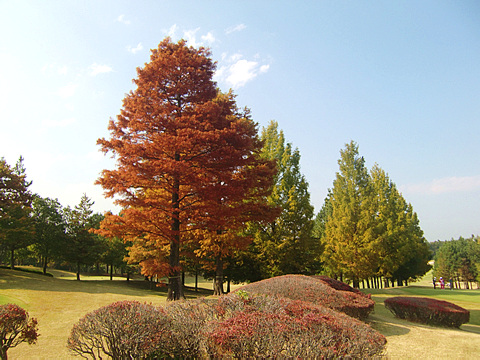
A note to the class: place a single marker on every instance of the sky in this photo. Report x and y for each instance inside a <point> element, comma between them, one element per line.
<point>400,78</point>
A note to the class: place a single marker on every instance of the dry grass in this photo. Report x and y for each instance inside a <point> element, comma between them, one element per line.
<point>59,302</point>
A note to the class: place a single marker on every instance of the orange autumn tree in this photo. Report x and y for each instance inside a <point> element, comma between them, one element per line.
<point>174,141</point>
<point>240,181</point>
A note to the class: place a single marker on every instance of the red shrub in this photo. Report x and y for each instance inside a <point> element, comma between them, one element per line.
<point>428,311</point>
<point>122,330</point>
<point>15,328</point>
<point>339,285</point>
<point>259,326</point>
<point>300,287</point>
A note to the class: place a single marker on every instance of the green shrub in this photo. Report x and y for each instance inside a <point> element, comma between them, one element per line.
<point>428,311</point>
<point>15,328</point>
<point>306,288</point>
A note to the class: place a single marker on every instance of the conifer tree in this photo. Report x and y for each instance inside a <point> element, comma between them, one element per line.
<point>286,246</point>
<point>16,224</point>
<point>349,241</point>
<point>182,151</point>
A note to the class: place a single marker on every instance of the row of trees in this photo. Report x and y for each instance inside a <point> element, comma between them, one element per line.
<point>458,260</point>
<point>366,227</point>
<point>201,190</point>
<point>41,228</point>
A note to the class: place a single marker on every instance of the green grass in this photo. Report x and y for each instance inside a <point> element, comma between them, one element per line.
<point>60,301</point>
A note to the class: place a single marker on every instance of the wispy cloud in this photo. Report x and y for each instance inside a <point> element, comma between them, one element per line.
<point>238,71</point>
<point>135,49</point>
<point>67,90</point>
<point>172,31</point>
<point>96,69</point>
<point>235,28</point>
<point>209,38</point>
<point>123,20</point>
<point>190,36</point>
<point>444,185</point>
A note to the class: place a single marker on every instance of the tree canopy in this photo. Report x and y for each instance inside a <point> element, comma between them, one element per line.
<point>182,150</point>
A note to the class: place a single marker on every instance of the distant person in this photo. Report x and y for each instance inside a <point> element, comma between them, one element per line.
<point>442,283</point>
<point>451,283</point>
<point>434,282</point>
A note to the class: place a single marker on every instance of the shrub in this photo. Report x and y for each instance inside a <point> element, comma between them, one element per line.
<point>15,328</point>
<point>428,311</point>
<point>339,285</point>
<point>260,326</point>
<point>122,330</point>
<point>300,287</point>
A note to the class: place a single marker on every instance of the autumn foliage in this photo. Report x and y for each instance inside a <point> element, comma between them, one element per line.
<point>187,159</point>
<point>15,328</point>
<point>238,325</point>
<point>428,311</point>
<point>305,288</point>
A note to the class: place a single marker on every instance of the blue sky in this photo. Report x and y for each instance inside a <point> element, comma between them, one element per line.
<point>401,78</point>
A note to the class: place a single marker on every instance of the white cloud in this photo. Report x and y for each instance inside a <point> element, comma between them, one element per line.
<point>135,49</point>
<point>190,36</point>
<point>239,71</point>
<point>209,38</point>
<point>235,28</point>
<point>67,90</point>
<point>121,19</point>
<point>96,69</point>
<point>58,123</point>
<point>444,185</point>
<point>62,70</point>
<point>171,32</point>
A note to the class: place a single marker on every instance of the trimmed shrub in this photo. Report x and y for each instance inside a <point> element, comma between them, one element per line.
<point>306,288</point>
<point>122,330</point>
<point>428,311</point>
<point>15,327</point>
<point>339,285</point>
<point>260,326</point>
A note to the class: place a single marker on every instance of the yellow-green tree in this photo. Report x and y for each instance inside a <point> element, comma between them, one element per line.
<point>350,244</point>
<point>285,246</point>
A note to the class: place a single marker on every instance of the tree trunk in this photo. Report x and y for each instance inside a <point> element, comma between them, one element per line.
<point>78,271</point>
<point>218,281</point>
<point>44,264</point>
<point>111,272</point>
<point>3,354</point>
<point>196,279</point>
<point>12,259</point>
<point>175,287</point>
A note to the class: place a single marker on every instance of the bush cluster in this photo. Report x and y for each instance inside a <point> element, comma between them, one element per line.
<point>317,291</point>
<point>253,325</point>
<point>428,311</point>
<point>240,325</point>
<point>339,285</point>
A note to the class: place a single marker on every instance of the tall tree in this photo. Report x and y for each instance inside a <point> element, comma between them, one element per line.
<point>50,229</point>
<point>83,247</point>
<point>171,140</point>
<point>16,225</point>
<point>285,245</point>
<point>349,232</point>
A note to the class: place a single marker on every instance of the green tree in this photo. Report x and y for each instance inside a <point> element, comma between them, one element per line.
<point>458,259</point>
<point>82,245</point>
<point>50,229</point>
<point>349,242</point>
<point>286,246</point>
<point>16,225</point>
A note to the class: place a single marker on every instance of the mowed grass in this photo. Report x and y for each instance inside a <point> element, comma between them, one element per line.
<point>407,340</point>
<point>59,302</point>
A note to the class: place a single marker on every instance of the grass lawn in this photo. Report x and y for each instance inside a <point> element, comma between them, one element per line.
<point>58,302</point>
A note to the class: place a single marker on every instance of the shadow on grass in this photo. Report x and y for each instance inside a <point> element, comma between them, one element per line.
<point>11,279</point>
